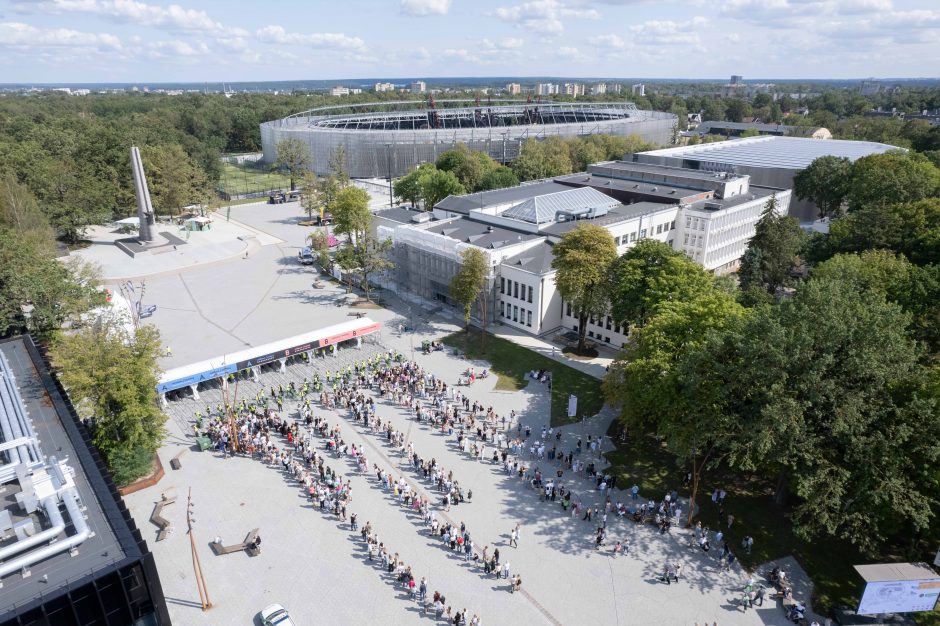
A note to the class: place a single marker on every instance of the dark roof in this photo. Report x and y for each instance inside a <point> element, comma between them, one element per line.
<point>638,188</point>
<point>623,213</point>
<point>782,129</point>
<point>465,204</point>
<point>480,234</point>
<point>60,435</point>
<point>537,259</point>
<point>398,214</point>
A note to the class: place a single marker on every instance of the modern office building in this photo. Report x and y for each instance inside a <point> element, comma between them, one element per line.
<point>70,553</point>
<point>770,161</point>
<point>380,143</point>
<point>708,216</point>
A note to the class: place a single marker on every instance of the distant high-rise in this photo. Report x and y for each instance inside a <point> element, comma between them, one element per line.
<point>513,89</point>
<point>418,86</point>
<point>736,80</point>
<point>599,89</point>
<point>574,89</point>
<point>384,87</point>
<point>638,89</point>
<point>546,89</point>
<point>869,87</point>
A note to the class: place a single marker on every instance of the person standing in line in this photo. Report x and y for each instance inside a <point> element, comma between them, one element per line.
<point>514,538</point>
<point>506,570</point>
<point>635,491</point>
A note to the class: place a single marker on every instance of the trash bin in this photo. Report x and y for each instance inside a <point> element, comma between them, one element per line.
<point>204,443</point>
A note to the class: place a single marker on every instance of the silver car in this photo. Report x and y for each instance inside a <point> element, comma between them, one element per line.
<point>276,615</point>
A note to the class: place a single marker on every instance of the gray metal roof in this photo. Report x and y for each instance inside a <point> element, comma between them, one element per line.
<point>537,259</point>
<point>466,203</point>
<point>480,234</point>
<point>773,151</point>
<point>398,214</point>
<point>541,209</point>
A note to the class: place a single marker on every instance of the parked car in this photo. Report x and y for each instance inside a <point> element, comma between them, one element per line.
<point>276,615</point>
<point>306,256</point>
<point>325,220</point>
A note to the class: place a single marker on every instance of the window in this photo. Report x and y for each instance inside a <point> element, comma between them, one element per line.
<point>685,242</point>
<point>642,233</point>
<point>502,309</point>
<point>591,334</point>
<point>609,322</point>
<point>502,285</point>
<point>528,318</point>
<point>659,229</point>
<point>673,225</point>
<point>530,294</point>
<point>617,328</point>
<point>607,339</point>
<point>632,237</point>
<point>688,221</point>
<point>515,289</point>
<point>515,314</point>
<point>568,309</point>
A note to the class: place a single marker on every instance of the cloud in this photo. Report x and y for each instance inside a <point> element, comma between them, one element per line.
<point>19,34</point>
<point>668,32</point>
<point>172,17</point>
<point>488,52</point>
<point>177,48</point>
<point>422,8</point>
<point>336,41</point>
<point>609,41</point>
<point>543,16</point>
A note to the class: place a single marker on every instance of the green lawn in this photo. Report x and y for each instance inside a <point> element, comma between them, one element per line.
<point>642,460</point>
<point>239,179</point>
<point>511,362</point>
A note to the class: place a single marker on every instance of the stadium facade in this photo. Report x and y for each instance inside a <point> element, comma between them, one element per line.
<point>382,143</point>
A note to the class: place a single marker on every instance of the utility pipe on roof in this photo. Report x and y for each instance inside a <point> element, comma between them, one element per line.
<point>70,498</point>
<point>50,506</point>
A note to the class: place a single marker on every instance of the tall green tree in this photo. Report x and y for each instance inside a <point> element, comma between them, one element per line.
<point>111,376</point>
<point>499,177</point>
<point>773,252</point>
<point>351,215</point>
<point>436,185</point>
<point>38,294</point>
<point>649,274</point>
<point>818,391</point>
<point>20,213</point>
<point>408,187</point>
<point>825,183</point>
<point>338,165</point>
<point>881,180</point>
<point>582,259</point>
<point>912,229</point>
<point>469,283</point>
<point>362,253</point>
<point>311,195</point>
<point>293,155</point>
<point>175,181</point>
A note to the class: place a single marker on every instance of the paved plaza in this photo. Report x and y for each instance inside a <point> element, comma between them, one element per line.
<point>314,564</point>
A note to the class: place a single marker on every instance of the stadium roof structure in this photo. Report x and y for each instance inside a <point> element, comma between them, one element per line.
<point>542,209</point>
<point>772,151</point>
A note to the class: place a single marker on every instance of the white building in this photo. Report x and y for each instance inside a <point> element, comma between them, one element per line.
<point>708,216</point>
<point>599,89</point>
<point>379,87</point>
<point>339,91</point>
<point>546,89</point>
<point>418,86</point>
<point>574,89</point>
<point>513,89</point>
<point>638,90</point>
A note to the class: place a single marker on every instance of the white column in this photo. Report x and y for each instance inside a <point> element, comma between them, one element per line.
<point>283,365</point>
<point>195,389</point>
<point>255,370</point>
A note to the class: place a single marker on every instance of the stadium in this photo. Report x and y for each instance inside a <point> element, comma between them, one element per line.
<point>381,143</point>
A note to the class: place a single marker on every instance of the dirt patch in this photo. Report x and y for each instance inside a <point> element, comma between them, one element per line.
<point>364,304</point>
<point>586,355</point>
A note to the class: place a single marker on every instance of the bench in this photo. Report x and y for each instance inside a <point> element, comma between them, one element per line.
<point>175,461</point>
<point>247,545</point>
<point>157,518</point>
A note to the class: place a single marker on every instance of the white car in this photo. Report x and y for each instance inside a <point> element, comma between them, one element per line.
<point>276,615</point>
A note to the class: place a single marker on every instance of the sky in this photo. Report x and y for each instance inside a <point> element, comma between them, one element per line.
<point>70,41</point>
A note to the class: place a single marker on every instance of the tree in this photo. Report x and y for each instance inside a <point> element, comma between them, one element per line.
<point>879,180</point>
<point>320,244</point>
<point>311,196</point>
<point>649,274</point>
<point>467,285</point>
<point>825,183</point>
<point>38,294</point>
<point>408,188</point>
<point>469,167</point>
<point>822,390</point>
<point>351,215</point>
<point>436,185</point>
<point>20,213</point>
<point>111,375</point>
<point>542,159</point>
<point>362,253</point>
<point>174,179</point>
<point>737,109</point>
<point>912,229</point>
<point>337,165</point>
<point>772,253</point>
<point>292,154</point>
<point>499,177</point>
<point>582,259</point>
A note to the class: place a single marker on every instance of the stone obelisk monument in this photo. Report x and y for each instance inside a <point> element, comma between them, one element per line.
<point>144,206</point>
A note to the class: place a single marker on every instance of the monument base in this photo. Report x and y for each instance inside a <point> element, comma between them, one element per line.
<point>163,242</point>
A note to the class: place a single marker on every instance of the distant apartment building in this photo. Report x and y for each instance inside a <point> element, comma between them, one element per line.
<point>737,80</point>
<point>869,87</point>
<point>384,87</point>
<point>638,89</point>
<point>599,89</point>
<point>546,89</point>
<point>574,89</point>
<point>615,88</point>
<point>513,89</point>
<point>418,86</point>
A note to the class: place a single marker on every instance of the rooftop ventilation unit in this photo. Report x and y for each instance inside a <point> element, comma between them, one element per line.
<point>422,218</point>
